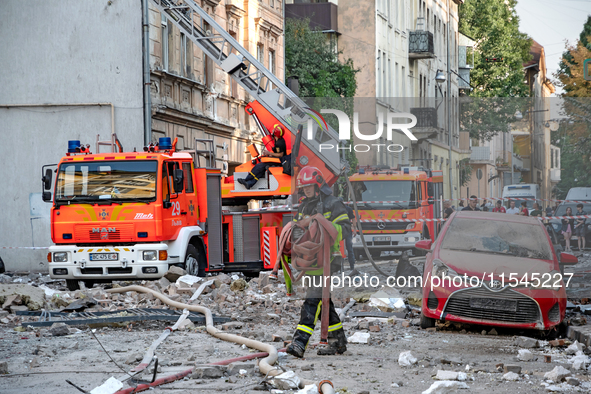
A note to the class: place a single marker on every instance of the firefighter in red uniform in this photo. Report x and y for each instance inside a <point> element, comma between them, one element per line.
<point>319,199</point>
<point>279,151</point>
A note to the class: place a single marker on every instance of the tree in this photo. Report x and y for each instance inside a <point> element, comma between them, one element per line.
<point>568,60</point>
<point>325,82</point>
<point>494,25</point>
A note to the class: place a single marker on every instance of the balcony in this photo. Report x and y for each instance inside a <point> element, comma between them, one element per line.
<point>480,154</point>
<point>323,16</point>
<point>555,175</point>
<point>426,126</point>
<point>420,45</point>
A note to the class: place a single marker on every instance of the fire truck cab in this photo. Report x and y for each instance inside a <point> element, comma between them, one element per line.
<point>393,205</point>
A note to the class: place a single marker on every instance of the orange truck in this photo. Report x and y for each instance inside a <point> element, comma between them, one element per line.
<point>119,216</point>
<point>393,205</point>
<point>132,215</point>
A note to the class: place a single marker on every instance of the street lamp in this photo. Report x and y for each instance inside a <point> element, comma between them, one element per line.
<point>440,77</point>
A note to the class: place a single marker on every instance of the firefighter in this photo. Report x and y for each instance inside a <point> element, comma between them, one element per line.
<point>319,199</point>
<point>279,151</point>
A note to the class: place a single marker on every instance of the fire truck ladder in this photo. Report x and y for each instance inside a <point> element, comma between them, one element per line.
<point>259,83</point>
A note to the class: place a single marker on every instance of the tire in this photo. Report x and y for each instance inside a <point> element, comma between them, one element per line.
<point>194,263</point>
<point>427,322</point>
<point>72,284</point>
<point>89,284</point>
<point>376,255</point>
<point>426,234</point>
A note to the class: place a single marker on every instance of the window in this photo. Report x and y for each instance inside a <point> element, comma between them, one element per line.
<point>379,76</point>
<point>397,82</point>
<point>272,61</point>
<point>384,80</point>
<point>389,86</point>
<point>261,53</point>
<point>186,56</point>
<point>403,80</point>
<point>188,175</point>
<point>164,41</point>
<point>272,3</point>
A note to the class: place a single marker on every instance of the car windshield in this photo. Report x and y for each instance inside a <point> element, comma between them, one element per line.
<point>381,194</point>
<point>561,210</point>
<point>497,237</point>
<point>104,180</point>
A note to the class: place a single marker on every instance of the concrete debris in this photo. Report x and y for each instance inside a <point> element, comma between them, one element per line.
<point>580,361</point>
<point>32,297</point>
<point>359,337</point>
<point>526,342</point>
<point>572,381</point>
<point>187,281</point>
<point>557,374</point>
<point>525,355</point>
<point>574,348</point>
<point>451,375</point>
<point>512,368</point>
<point>238,285</point>
<point>233,325</point>
<point>308,389</point>
<point>3,367</point>
<point>209,372</point>
<point>387,300</point>
<point>111,386</point>
<point>59,329</point>
<point>445,386</point>
<point>174,273</point>
<point>286,381</point>
<point>511,376</point>
<point>406,359</point>
<point>246,368</point>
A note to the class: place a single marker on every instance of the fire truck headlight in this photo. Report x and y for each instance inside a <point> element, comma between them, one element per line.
<point>60,257</point>
<point>150,255</point>
<point>410,226</point>
<point>410,239</point>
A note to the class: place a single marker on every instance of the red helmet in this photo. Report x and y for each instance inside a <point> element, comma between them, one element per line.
<point>309,176</point>
<point>278,131</point>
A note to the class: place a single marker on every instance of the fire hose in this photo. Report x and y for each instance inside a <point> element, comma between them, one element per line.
<point>265,364</point>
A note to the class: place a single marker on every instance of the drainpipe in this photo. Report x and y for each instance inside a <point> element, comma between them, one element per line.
<point>449,101</point>
<point>146,67</point>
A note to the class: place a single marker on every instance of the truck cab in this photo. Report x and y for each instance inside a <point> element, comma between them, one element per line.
<point>393,205</point>
<point>122,215</point>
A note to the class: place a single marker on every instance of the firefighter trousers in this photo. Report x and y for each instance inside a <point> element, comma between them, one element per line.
<point>310,314</point>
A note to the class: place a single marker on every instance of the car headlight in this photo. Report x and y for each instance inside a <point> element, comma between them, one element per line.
<point>60,257</point>
<point>150,255</point>
<point>410,226</point>
<point>441,270</point>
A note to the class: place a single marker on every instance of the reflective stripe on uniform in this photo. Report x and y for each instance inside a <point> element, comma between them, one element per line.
<point>335,327</point>
<point>305,329</point>
<point>341,217</point>
<point>327,214</point>
<point>318,310</point>
<point>253,175</point>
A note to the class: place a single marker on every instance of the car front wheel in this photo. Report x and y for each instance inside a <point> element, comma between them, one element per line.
<point>427,322</point>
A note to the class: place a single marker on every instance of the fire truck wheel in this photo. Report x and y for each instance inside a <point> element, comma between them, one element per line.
<point>192,263</point>
<point>72,284</point>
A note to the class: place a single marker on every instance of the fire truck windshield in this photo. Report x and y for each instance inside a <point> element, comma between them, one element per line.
<point>385,194</point>
<point>107,180</point>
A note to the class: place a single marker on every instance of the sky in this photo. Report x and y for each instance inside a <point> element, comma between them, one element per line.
<point>550,23</point>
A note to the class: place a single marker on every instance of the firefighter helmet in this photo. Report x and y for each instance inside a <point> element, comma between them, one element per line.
<point>309,176</point>
<point>278,131</point>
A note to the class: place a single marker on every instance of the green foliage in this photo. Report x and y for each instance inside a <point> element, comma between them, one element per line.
<point>494,25</point>
<point>564,67</point>
<point>325,81</point>
<point>465,171</point>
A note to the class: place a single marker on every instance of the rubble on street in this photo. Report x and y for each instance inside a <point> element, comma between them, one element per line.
<point>385,354</point>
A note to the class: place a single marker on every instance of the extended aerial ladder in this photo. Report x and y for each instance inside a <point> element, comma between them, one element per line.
<point>273,102</point>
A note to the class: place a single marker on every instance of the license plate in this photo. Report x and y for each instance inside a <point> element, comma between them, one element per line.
<point>381,239</point>
<point>494,304</point>
<point>104,256</point>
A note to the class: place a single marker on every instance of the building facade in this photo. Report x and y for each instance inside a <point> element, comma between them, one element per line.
<point>191,97</point>
<point>399,46</point>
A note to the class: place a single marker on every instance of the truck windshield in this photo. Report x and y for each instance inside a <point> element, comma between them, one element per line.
<point>529,200</point>
<point>385,194</point>
<point>107,180</point>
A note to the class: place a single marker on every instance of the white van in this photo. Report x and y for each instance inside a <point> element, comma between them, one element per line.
<point>579,194</point>
<point>528,191</point>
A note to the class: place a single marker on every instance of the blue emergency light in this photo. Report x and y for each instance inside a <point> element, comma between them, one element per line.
<point>164,143</point>
<point>362,170</point>
<point>73,145</point>
<point>519,187</point>
<point>406,170</point>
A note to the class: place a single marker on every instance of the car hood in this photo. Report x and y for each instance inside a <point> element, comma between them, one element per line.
<point>472,263</point>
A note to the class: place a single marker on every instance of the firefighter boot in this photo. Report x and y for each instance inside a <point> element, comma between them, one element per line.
<point>297,347</point>
<point>337,343</point>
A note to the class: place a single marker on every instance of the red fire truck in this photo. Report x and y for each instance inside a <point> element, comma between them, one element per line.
<point>386,195</point>
<point>127,215</point>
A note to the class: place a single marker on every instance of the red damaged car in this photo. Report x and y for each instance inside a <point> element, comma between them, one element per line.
<point>494,269</point>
